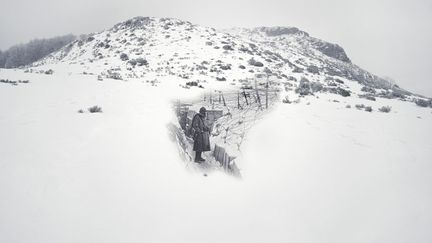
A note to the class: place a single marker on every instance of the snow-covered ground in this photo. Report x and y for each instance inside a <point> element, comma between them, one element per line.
<point>313,171</point>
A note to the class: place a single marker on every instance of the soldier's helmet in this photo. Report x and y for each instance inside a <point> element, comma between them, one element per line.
<point>202,110</point>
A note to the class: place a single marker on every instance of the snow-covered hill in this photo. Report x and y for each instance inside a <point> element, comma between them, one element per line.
<point>341,156</point>
<point>150,48</point>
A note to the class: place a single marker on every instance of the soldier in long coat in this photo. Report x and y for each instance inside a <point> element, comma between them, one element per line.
<point>200,134</point>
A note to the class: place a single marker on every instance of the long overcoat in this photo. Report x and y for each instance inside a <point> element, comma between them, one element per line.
<point>200,134</point>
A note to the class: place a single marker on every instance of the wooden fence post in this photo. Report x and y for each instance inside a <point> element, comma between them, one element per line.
<point>267,87</point>
<point>257,94</point>
<point>238,99</point>
<point>244,94</point>
<point>211,98</point>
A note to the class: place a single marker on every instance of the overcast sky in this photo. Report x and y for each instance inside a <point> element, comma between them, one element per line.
<point>387,37</point>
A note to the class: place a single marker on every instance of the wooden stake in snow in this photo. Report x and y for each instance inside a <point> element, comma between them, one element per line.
<point>211,98</point>
<point>245,96</point>
<point>238,99</point>
<point>267,87</point>
<point>257,94</point>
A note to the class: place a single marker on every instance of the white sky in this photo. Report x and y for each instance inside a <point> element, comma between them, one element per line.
<point>387,37</point>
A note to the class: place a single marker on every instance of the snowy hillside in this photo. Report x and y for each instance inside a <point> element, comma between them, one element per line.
<point>339,155</point>
<point>150,48</point>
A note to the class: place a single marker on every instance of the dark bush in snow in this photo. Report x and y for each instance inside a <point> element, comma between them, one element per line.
<point>138,61</point>
<point>331,83</point>
<point>291,78</point>
<point>313,69</point>
<point>7,81</point>
<point>227,48</point>
<point>339,91</point>
<point>132,62</point>
<point>286,100</point>
<point>297,70</point>
<point>245,49</point>
<point>114,75</point>
<point>368,89</point>
<point>95,109</point>
<point>141,61</point>
<point>124,57</point>
<point>304,87</point>
<point>220,78</point>
<point>397,94</point>
<point>422,102</point>
<point>368,109</point>
<point>225,67</point>
<point>255,63</point>
<point>192,83</point>
<point>253,46</point>
<point>242,67</point>
<point>343,92</point>
<point>360,106</point>
<point>268,71</point>
<point>385,109</point>
<point>50,71</point>
<point>316,87</point>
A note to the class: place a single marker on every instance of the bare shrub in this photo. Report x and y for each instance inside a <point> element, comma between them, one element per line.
<point>385,109</point>
<point>360,106</point>
<point>255,63</point>
<point>368,89</point>
<point>124,57</point>
<point>95,109</point>
<point>313,69</point>
<point>286,100</point>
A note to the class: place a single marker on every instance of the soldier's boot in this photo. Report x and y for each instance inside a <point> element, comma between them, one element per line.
<point>198,157</point>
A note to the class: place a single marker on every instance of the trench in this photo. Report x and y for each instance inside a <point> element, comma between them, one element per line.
<point>216,159</point>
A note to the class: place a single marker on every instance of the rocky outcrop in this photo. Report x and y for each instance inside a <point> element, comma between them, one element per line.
<point>277,31</point>
<point>332,50</point>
